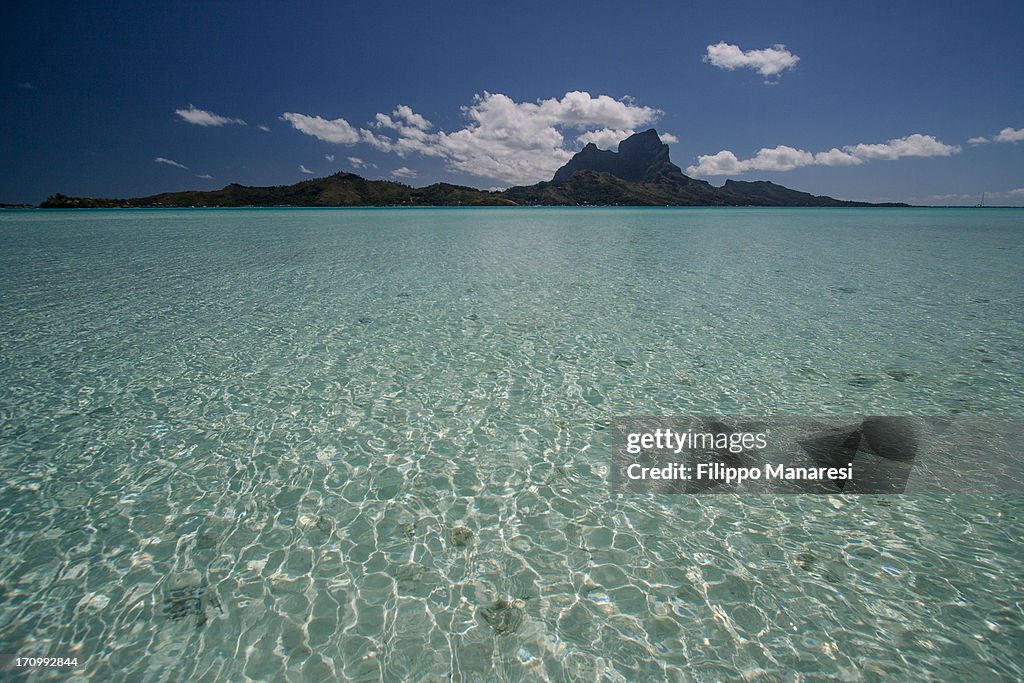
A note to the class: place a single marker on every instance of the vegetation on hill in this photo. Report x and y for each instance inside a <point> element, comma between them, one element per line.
<point>639,174</point>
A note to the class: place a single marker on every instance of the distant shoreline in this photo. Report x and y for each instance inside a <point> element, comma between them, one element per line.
<point>30,207</point>
<point>639,174</point>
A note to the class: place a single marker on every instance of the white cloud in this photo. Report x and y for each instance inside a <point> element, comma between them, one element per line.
<point>404,120</point>
<point>201,117</point>
<point>946,197</point>
<point>264,128</point>
<point>403,172</point>
<point>836,157</point>
<point>721,163</point>
<point>1005,135</point>
<point>609,138</point>
<point>338,130</point>
<point>606,138</point>
<point>580,110</point>
<point>305,170</point>
<point>1010,135</point>
<point>768,62</point>
<point>205,176</point>
<point>1019,192</point>
<point>329,157</point>
<point>169,162</point>
<point>356,162</point>
<point>915,145</point>
<point>783,158</point>
<point>508,141</point>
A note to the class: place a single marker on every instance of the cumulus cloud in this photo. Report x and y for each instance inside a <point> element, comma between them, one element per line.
<point>768,62</point>
<point>1010,135</point>
<point>837,157</point>
<point>201,117</point>
<point>264,128</point>
<point>169,162</point>
<point>784,158</point>
<point>1005,135</point>
<point>404,120</point>
<point>609,138</point>
<point>337,130</point>
<point>356,162</point>
<point>329,157</point>
<point>205,176</point>
<point>606,138</point>
<point>305,170</point>
<point>721,163</point>
<point>508,141</point>
<point>403,172</point>
<point>915,145</point>
<point>1019,192</point>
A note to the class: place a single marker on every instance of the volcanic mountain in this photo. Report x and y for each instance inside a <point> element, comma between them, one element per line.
<point>639,174</point>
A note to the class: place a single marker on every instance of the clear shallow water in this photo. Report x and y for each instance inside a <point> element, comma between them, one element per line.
<point>241,443</point>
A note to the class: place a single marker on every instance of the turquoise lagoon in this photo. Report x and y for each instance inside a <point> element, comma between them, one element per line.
<point>370,445</point>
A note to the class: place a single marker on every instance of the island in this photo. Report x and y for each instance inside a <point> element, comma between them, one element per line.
<point>640,173</point>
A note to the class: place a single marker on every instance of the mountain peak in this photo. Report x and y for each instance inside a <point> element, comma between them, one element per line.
<point>642,158</point>
<point>649,134</point>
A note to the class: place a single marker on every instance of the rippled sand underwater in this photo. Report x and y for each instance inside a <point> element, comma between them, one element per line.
<point>372,445</point>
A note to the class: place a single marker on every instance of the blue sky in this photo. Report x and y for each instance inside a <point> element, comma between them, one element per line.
<point>871,101</point>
